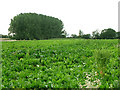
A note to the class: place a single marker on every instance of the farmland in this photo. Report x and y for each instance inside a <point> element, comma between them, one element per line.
<point>60,63</point>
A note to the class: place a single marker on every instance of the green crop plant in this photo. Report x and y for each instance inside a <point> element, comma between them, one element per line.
<point>59,63</point>
<point>102,58</point>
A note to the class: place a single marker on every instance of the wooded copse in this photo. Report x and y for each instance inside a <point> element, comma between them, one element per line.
<point>31,26</point>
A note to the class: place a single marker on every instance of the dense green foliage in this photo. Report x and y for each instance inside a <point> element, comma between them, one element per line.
<point>108,34</point>
<point>58,63</point>
<point>86,36</point>
<point>35,26</point>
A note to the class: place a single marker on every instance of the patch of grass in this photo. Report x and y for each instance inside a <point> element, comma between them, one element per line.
<point>102,57</point>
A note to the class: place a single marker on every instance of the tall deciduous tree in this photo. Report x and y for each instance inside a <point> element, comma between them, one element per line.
<point>35,26</point>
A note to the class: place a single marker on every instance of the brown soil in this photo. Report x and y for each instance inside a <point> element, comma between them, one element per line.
<point>6,39</point>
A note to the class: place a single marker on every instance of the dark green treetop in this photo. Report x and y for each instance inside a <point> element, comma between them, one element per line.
<point>35,26</point>
<point>108,34</point>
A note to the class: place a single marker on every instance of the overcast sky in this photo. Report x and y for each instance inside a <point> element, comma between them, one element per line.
<point>85,15</point>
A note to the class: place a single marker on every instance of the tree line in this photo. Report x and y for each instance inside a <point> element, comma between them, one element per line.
<point>31,26</point>
<point>104,34</point>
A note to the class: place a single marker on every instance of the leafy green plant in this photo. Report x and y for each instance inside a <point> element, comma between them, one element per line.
<point>102,58</point>
<point>59,63</point>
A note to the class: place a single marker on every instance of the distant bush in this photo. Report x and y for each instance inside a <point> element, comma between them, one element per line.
<point>5,36</point>
<point>74,36</point>
<point>86,36</point>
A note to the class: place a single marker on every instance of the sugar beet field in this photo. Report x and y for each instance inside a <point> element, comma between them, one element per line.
<point>60,63</point>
